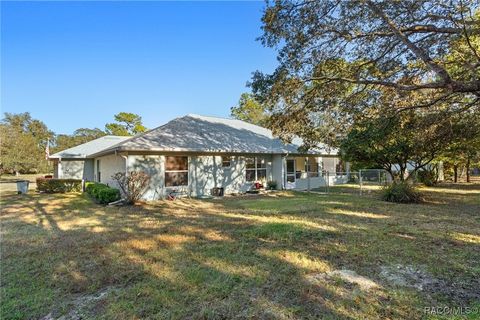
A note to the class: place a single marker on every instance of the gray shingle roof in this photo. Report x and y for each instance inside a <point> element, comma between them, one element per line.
<point>194,133</point>
<point>86,149</point>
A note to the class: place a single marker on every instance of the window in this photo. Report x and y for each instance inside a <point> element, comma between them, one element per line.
<point>339,167</point>
<point>176,171</point>
<point>311,167</point>
<point>226,162</point>
<point>250,169</point>
<point>256,169</point>
<point>291,170</point>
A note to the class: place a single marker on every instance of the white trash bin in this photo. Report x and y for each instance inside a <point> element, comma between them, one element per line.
<point>22,186</point>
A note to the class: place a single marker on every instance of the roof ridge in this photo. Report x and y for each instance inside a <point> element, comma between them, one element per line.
<point>143,133</point>
<point>105,138</point>
<point>224,118</point>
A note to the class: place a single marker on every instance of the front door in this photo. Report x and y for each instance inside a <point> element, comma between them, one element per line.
<point>290,174</point>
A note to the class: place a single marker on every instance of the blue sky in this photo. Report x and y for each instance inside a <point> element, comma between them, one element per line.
<point>76,64</point>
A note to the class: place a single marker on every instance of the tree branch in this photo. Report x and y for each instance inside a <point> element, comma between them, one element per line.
<point>454,86</point>
<point>441,72</point>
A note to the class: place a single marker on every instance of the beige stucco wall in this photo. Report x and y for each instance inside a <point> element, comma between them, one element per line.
<point>154,166</point>
<point>205,173</point>
<point>109,165</point>
<point>278,170</point>
<point>73,169</point>
<point>329,164</point>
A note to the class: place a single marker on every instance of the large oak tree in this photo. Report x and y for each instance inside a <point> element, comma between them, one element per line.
<point>340,60</point>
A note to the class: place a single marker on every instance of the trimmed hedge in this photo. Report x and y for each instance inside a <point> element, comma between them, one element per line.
<point>101,192</point>
<point>59,185</point>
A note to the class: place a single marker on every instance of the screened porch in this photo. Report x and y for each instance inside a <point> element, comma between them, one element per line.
<point>310,172</point>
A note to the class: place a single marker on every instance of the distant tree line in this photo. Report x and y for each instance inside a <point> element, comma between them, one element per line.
<point>24,140</point>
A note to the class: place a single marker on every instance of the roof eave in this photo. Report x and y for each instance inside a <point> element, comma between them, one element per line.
<point>53,157</point>
<point>283,152</point>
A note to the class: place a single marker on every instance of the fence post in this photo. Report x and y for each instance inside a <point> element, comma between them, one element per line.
<point>360,179</point>
<point>327,181</point>
<point>308,181</point>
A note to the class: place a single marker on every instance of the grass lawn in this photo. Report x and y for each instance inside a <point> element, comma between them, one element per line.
<point>283,256</point>
<point>8,181</point>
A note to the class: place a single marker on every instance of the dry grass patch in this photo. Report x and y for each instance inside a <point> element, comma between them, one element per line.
<point>284,256</point>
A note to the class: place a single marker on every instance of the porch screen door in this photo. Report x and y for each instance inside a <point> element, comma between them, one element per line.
<point>290,174</point>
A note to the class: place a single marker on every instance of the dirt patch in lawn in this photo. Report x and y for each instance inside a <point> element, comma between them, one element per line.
<point>83,306</point>
<point>418,278</point>
<point>349,276</point>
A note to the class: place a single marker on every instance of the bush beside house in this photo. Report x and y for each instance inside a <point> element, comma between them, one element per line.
<point>272,185</point>
<point>58,185</point>
<point>133,184</point>
<point>101,192</point>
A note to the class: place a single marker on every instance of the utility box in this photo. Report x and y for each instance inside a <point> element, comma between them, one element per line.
<point>217,192</point>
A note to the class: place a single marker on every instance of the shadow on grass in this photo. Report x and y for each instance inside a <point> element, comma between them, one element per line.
<point>208,259</point>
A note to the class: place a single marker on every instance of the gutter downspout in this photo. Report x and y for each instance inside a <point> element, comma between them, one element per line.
<point>284,173</point>
<point>126,161</point>
<point>59,168</point>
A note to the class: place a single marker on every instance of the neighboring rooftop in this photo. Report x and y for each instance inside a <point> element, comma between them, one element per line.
<point>86,149</point>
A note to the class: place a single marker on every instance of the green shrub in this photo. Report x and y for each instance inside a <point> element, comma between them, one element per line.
<point>272,185</point>
<point>402,192</point>
<point>89,186</point>
<point>59,185</point>
<point>427,177</point>
<point>101,192</point>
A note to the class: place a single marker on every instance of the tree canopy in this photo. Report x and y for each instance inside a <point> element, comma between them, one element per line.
<point>408,140</point>
<point>79,136</point>
<point>404,45</point>
<point>348,67</point>
<point>126,124</point>
<point>23,143</point>
<point>24,139</point>
<point>249,110</point>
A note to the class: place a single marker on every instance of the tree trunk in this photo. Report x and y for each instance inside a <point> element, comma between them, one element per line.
<point>468,169</point>
<point>402,174</point>
<point>392,176</point>
<point>455,173</point>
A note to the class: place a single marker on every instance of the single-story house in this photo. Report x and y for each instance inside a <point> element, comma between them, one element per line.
<point>197,153</point>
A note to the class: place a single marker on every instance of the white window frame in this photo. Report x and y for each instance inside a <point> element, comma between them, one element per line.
<point>308,167</point>
<point>256,168</point>
<point>169,171</point>
<point>230,159</point>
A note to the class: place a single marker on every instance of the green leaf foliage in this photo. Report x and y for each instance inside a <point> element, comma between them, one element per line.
<point>23,144</point>
<point>101,192</point>
<point>401,192</point>
<point>59,185</point>
<point>250,110</point>
<point>126,124</point>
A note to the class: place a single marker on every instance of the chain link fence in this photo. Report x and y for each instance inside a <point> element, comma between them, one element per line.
<point>357,182</point>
